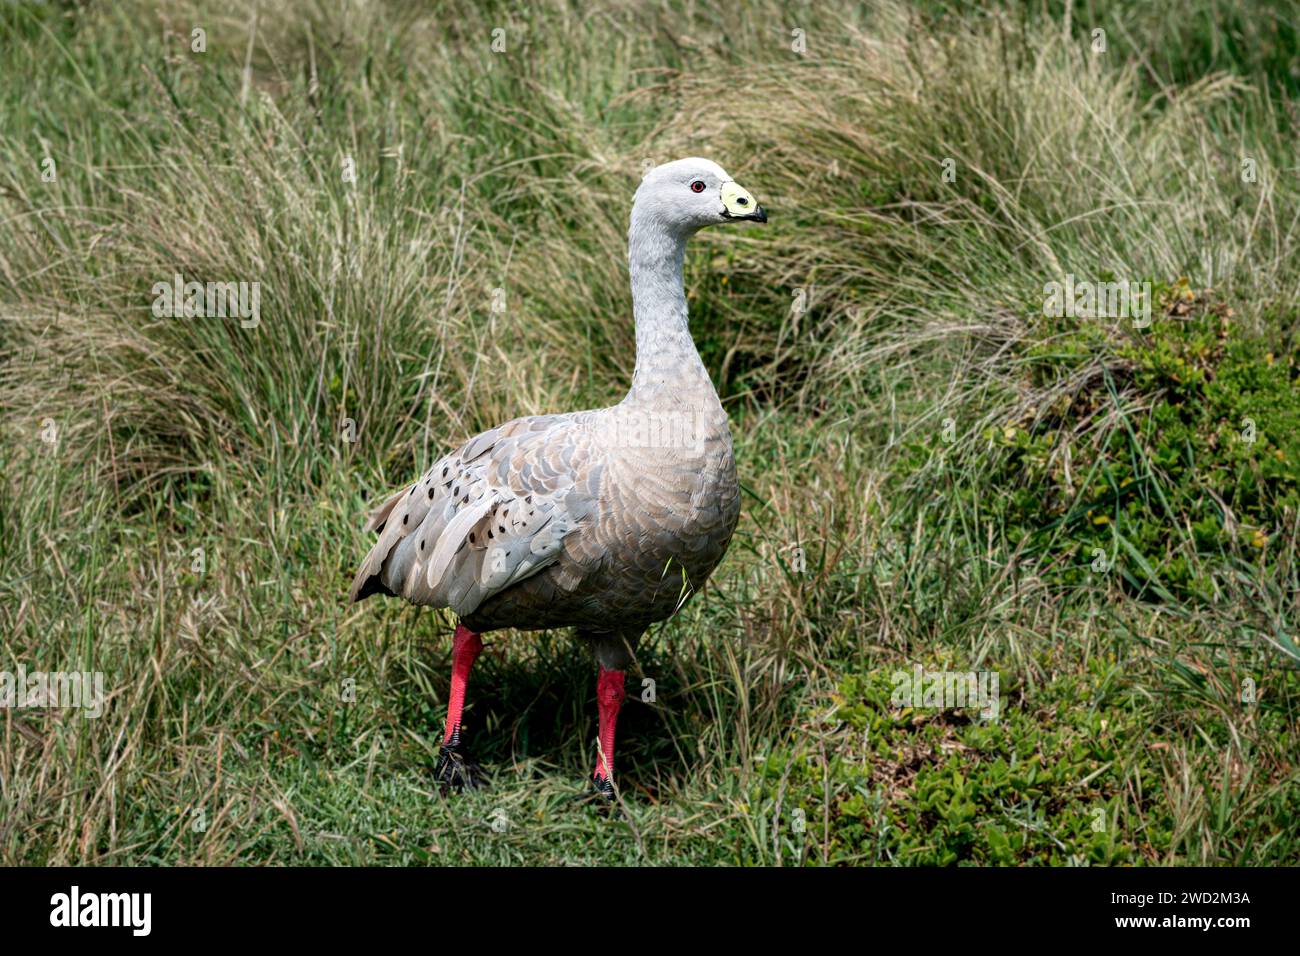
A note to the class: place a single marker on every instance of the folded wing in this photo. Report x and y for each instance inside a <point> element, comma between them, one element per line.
<point>490,514</point>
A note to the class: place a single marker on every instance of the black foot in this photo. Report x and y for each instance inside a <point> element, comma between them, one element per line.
<point>456,771</point>
<point>602,788</point>
<point>597,795</point>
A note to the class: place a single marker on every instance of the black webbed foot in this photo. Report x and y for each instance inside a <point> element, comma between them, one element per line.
<point>457,771</point>
<point>598,793</point>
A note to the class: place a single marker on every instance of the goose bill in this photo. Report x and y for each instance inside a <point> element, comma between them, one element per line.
<point>738,205</point>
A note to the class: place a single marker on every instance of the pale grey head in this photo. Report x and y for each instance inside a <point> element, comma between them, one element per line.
<point>689,194</point>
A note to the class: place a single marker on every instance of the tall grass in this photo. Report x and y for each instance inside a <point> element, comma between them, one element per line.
<point>484,177</point>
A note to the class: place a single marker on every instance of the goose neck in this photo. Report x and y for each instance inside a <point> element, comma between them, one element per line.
<point>668,365</point>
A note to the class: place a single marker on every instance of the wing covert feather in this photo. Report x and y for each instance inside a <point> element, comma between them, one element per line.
<point>487,516</point>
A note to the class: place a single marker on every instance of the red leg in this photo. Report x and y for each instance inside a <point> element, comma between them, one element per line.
<point>465,647</point>
<point>609,699</point>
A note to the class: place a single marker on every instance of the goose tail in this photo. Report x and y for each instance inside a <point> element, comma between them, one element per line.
<point>367,580</point>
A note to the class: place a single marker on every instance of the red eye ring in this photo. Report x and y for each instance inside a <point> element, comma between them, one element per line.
<point>697,186</point>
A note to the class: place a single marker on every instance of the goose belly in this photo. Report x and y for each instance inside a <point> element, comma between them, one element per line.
<point>664,524</point>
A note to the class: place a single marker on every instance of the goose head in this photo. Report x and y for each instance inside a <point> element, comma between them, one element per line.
<point>689,194</point>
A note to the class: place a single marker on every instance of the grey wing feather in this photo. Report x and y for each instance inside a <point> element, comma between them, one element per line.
<point>485,517</point>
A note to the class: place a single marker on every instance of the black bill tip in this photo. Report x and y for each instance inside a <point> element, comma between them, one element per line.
<point>758,215</point>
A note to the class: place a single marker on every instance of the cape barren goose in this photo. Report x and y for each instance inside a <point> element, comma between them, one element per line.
<point>605,520</point>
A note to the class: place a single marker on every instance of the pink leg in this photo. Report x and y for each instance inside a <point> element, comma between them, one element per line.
<point>609,698</point>
<point>465,647</point>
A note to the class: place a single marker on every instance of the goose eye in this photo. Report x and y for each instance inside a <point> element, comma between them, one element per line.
<point>697,186</point>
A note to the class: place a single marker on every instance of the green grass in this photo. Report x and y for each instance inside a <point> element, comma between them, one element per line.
<point>935,473</point>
